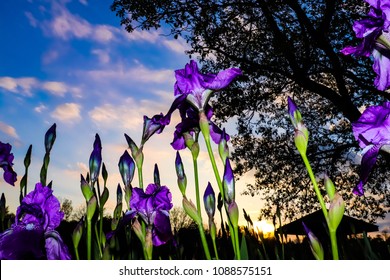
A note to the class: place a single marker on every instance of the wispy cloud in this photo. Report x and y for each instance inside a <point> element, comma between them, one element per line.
<point>137,73</point>
<point>40,108</point>
<point>21,86</point>
<point>55,88</point>
<point>27,86</point>
<point>8,130</point>
<point>102,55</point>
<point>67,113</point>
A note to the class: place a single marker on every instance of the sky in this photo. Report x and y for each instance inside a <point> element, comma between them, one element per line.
<point>71,63</point>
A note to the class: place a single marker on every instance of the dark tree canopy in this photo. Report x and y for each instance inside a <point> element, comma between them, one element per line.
<point>283,47</point>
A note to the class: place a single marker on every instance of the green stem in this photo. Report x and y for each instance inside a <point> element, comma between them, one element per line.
<point>89,237</point>
<point>333,241</point>
<point>332,233</point>
<point>315,185</point>
<point>76,251</point>
<point>196,175</point>
<point>204,242</point>
<point>215,249</point>
<point>140,177</point>
<point>237,243</point>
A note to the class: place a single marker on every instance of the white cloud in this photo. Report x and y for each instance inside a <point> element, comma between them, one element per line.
<point>84,2</point>
<point>139,73</point>
<point>9,130</point>
<point>28,85</point>
<point>102,55</point>
<point>178,46</point>
<point>67,113</point>
<point>18,85</point>
<point>55,88</point>
<point>40,108</point>
<point>104,33</point>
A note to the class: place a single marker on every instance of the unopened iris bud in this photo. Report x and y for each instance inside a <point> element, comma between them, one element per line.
<point>204,125</point>
<point>91,207</point>
<point>209,200</point>
<point>95,160</point>
<point>86,189</point>
<point>336,211</point>
<point>104,197</point>
<point>181,176</point>
<point>126,168</point>
<point>104,173</point>
<point>228,183</point>
<point>329,186</point>
<point>295,115</point>
<point>188,139</point>
<point>223,148</point>
<point>191,211</point>
<point>77,233</point>
<point>301,139</point>
<point>119,195</point>
<point>233,213</point>
<point>133,147</point>
<point>50,137</point>
<point>2,207</point>
<point>156,175</point>
<point>315,244</point>
<point>138,231</point>
<point>195,150</point>
<point>128,195</point>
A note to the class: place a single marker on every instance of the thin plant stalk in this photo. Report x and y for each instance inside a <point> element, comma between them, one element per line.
<point>332,233</point>
<point>89,239</point>
<point>206,135</point>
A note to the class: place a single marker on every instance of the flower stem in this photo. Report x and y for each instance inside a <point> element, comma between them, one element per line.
<point>332,233</point>
<point>333,241</point>
<point>204,242</point>
<point>89,241</point>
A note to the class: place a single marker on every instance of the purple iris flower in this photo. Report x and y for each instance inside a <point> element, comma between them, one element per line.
<point>33,235</point>
<point>374,30</point>
<point>153,207</point>
<point>198,87</point>
<point>190,124</point>
<point>6,159</point>
<point>372,131</point>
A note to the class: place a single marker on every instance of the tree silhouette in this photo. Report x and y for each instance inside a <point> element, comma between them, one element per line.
<point>283,47</point>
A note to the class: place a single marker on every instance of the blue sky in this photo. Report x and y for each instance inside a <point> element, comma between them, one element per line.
<point>71,63</point>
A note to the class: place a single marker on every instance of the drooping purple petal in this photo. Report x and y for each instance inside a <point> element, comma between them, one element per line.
<point>55,246</point>
<point>373,126</point>
<point>382,69</point>
<point>368,161</point>
<point>162,231</point>
<point>217,134</point>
